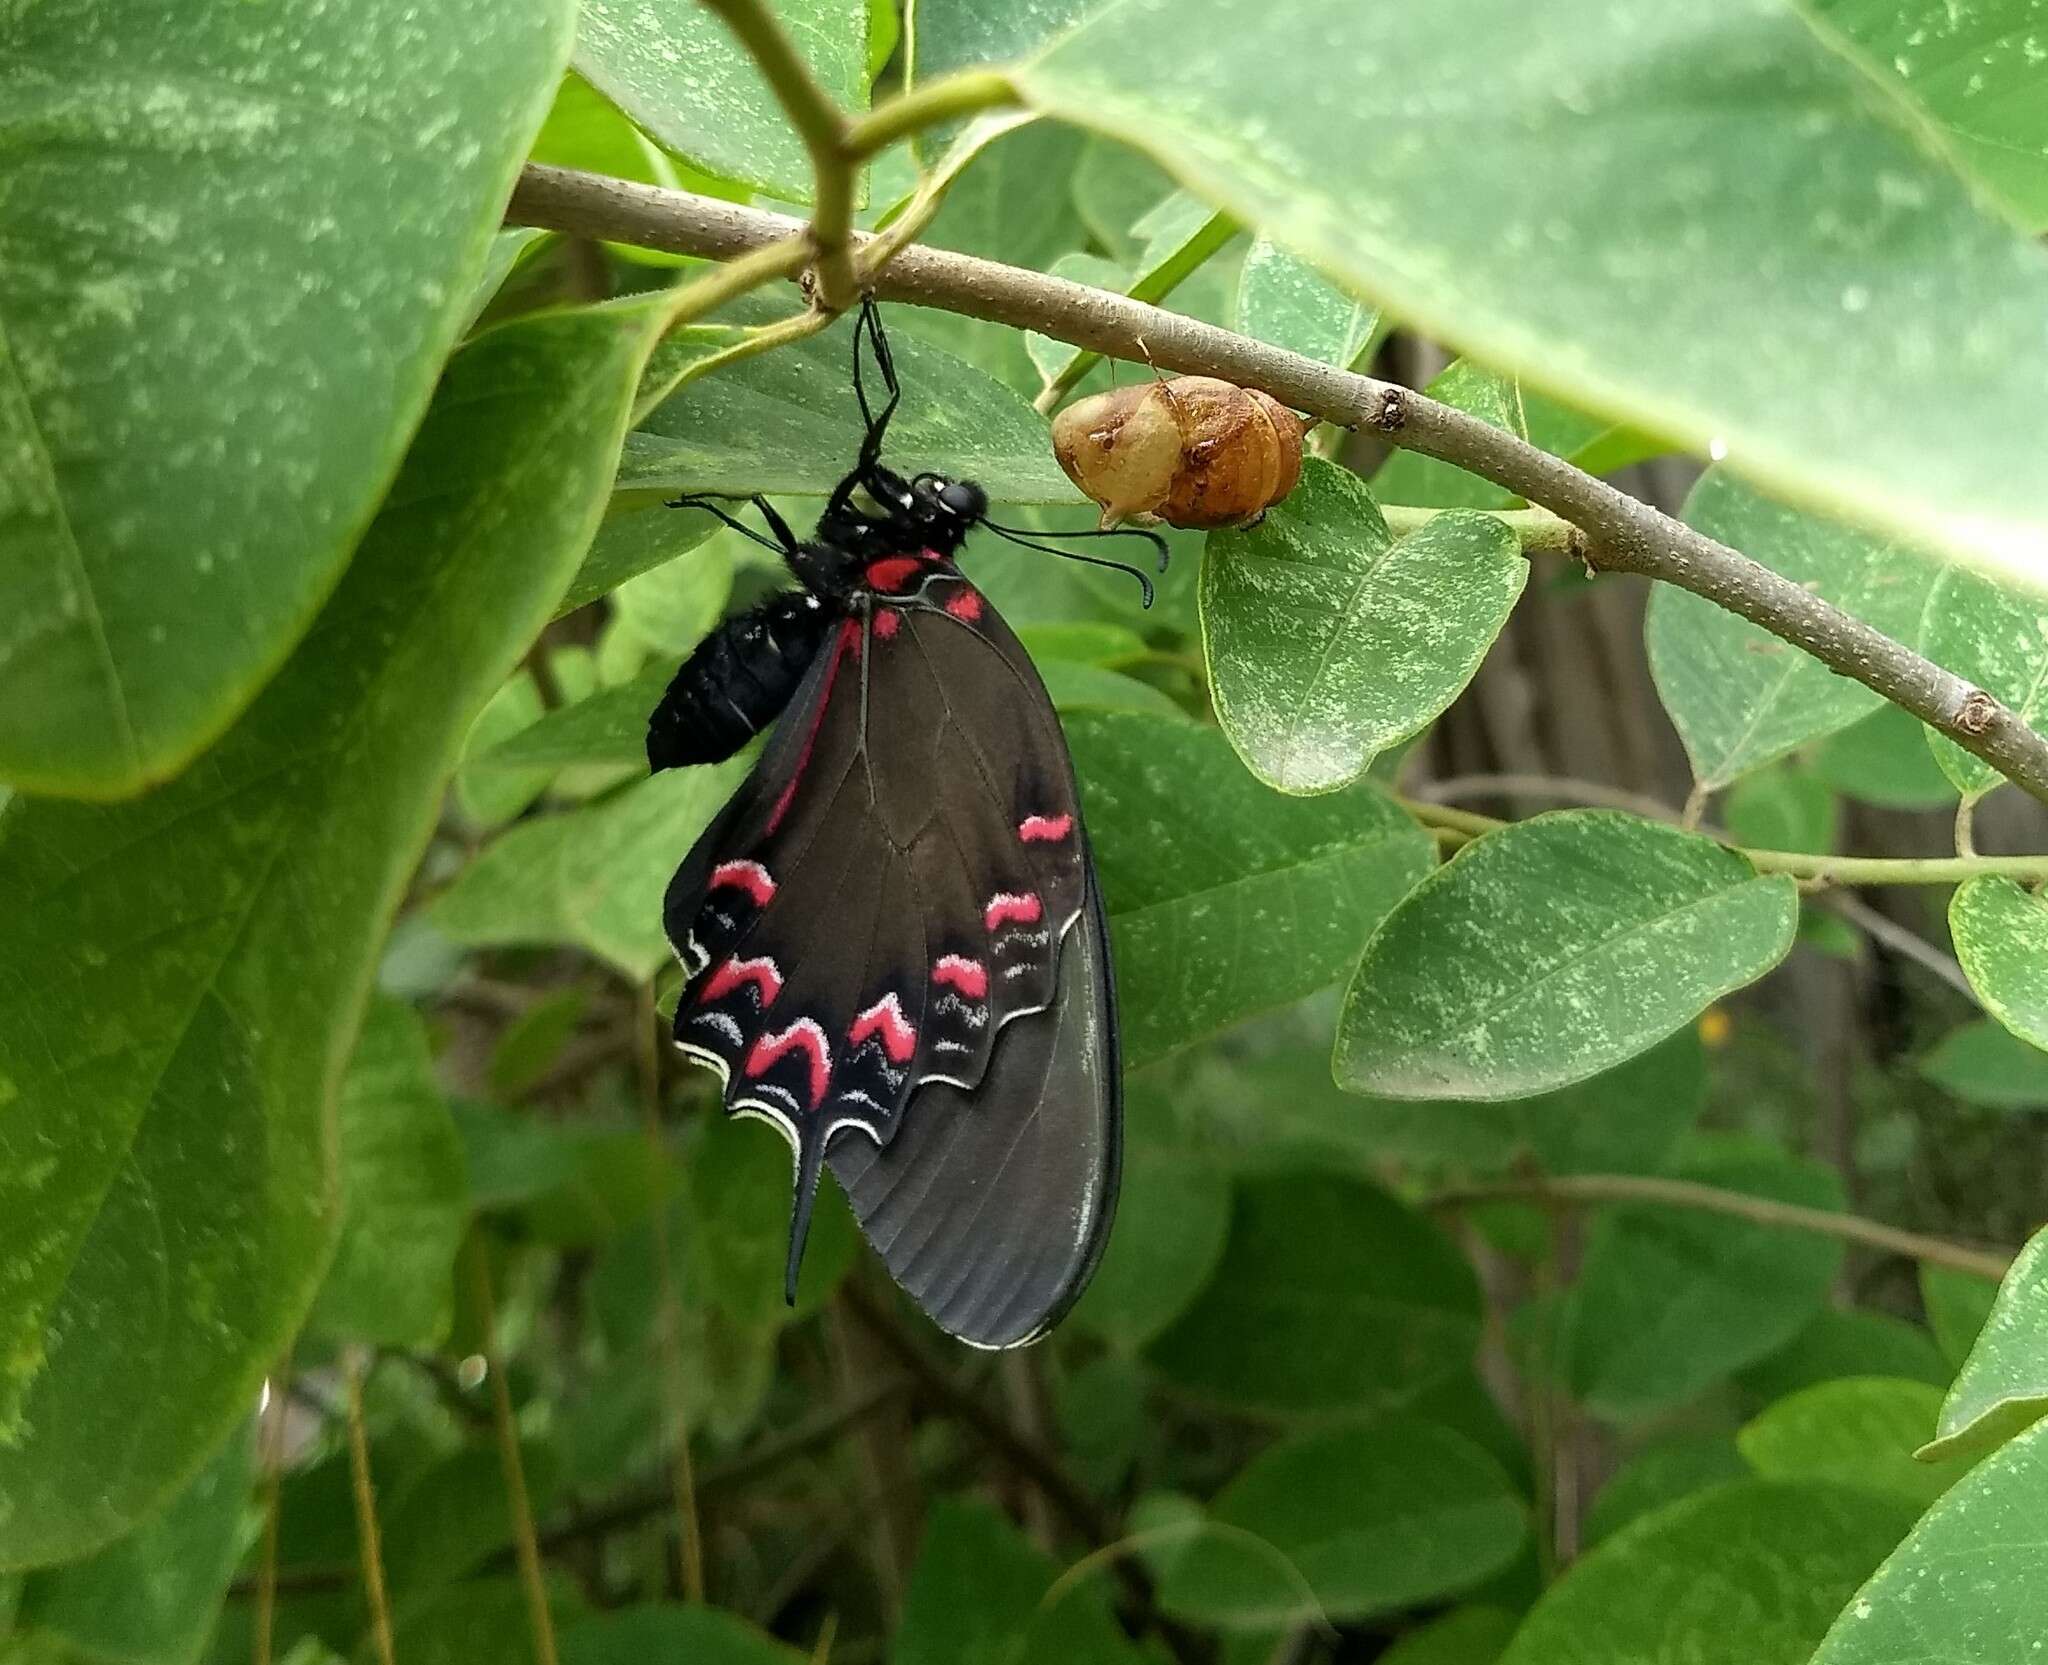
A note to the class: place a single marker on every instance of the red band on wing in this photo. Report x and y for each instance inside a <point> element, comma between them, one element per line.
<point>1044,829</point>
<point>964,604</point>
<point>762,973</point>
<point>892,573</point>
<point>849,632</point>
<point>801,1036</point>
<point>887,623</point>
<point>955,971</point>
<point>885,1018</point>
<point>749,876</point>
<point>1004,909</point>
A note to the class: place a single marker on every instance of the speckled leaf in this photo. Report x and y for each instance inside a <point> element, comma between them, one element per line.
<point>1739,695</point>
<point>677,70</point>
<point>1993,635</point>
<point>786,423</point>
<point>1281,298</point>
<point>1254,902</point>
<point>404,1192</point>
<point>1355,1300</point>
<point>1751,1571</point>
<point>1502,192</point>
<point>2003,1386</point>
<point>183,976</point>
<point>239,240</point>
<point>1410,477</point>
<point>150,1598</point>
<point>2001,936</point>
<point>1966,1586</point>
<point>1856,1431</point>
<point>1349,1522</point>
<point>1330,640</point>
<point>592,877</point>
<point>1670,1301</point>
<point>1982,1062</point>
<point>942,37</point>
<point>1976,70</point>
<point>1551,950</point>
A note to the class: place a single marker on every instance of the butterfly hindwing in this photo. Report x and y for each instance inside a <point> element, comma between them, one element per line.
<point>893,953</point>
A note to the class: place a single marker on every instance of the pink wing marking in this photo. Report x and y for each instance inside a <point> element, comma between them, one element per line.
<point>956,971</point>
<point>762,973</point>
<point>887,623</point>
<point>749,876</point>
<point>885,1018</point>
<point>1004,908</point>
<point>804,1036</point>
<point>1044,829</point>
<point>964,604</point>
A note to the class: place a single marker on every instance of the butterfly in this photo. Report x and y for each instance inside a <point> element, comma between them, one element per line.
<point>891,936</point>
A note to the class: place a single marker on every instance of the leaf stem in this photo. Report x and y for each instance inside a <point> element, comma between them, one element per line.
<point>364,1491</point>
<point>1540,531</point>
<point>506,1429</point>
<point>1580,1190</point>
<point>947,98</point>
<point>1623,534</point>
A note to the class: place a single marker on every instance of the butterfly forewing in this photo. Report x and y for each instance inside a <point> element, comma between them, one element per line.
<point>894,955</point>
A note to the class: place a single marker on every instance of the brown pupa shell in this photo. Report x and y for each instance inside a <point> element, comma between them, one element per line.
<point>1191,451</point>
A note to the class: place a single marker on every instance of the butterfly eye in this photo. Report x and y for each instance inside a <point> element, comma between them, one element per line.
<point>964,498</point>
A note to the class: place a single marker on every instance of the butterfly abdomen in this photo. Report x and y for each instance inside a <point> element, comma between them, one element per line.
<point>737,681</point>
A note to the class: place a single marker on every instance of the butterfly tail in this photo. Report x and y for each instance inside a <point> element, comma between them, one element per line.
<point>810,1163</point>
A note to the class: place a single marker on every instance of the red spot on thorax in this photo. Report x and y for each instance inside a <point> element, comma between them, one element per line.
<point>885,1018</point>
<point>957,972</point>
<point>892,573</point>
<point>1004,909</point>
<point>749,876</point>
<point>733,974</point>
<point>801,1036</point>
<point>965,604</point>
<point>887,623</point>
<point>1044,829</point>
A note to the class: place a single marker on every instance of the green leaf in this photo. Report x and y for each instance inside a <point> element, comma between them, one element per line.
<point>490,796</point>
<point>1356,1301</point>
<point>609,726</point>
<point>2003,1386</point>
<point>785,423</point>
<point>1281,298</point>
<point>1089,687</point>
<point>1740,696</point>
<point>1410,477</point>
<point>1114,187</point>
<point>150,1598</point>
<point>186,972</point>
<point>593,877</point>
<point>1659,1474</point>
<point>529,1045</point>
<point>701,1635</point>
<point>1848,1342</point>
<point>1551,950</point>
<point>1670,1301</point>
<point>978,1596</point>
<point>2001,936</point>
<point>1883,759</point>
<point>1173,1215</point>
<point>1856,1431</point>
<point>487,1618</point>
<point>1976,71</point>
<point>1463,1636</point>
<point>1050,356</point>
<point>671,608</point>
<point>1958,1304</point>
<point>1330,640</point>
<point>243,290</point>
<point>1781,808</point>
<point>1193,900</point>
<point>442,1521</point>
<point>739,1224</point>
<point>1996,637</point>
<point>404,1192</point>
<point>1752,1571</point>
<point>677,70</point>
<point>1546,230</point>
<point>1966,1585</point>
<point>1350,1522</point>
<point>1982,1062</point>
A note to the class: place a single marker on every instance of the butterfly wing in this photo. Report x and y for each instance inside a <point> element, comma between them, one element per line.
<point>895,955</point>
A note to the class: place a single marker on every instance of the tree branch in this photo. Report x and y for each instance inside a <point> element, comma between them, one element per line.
<point>1625,535</point>
<point>1577,1190</point>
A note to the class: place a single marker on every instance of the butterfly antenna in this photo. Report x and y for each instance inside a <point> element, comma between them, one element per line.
<point>1144,583</point>
<point>1153,538</point>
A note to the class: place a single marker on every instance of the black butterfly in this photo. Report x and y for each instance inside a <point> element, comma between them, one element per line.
<point>892,938</point>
